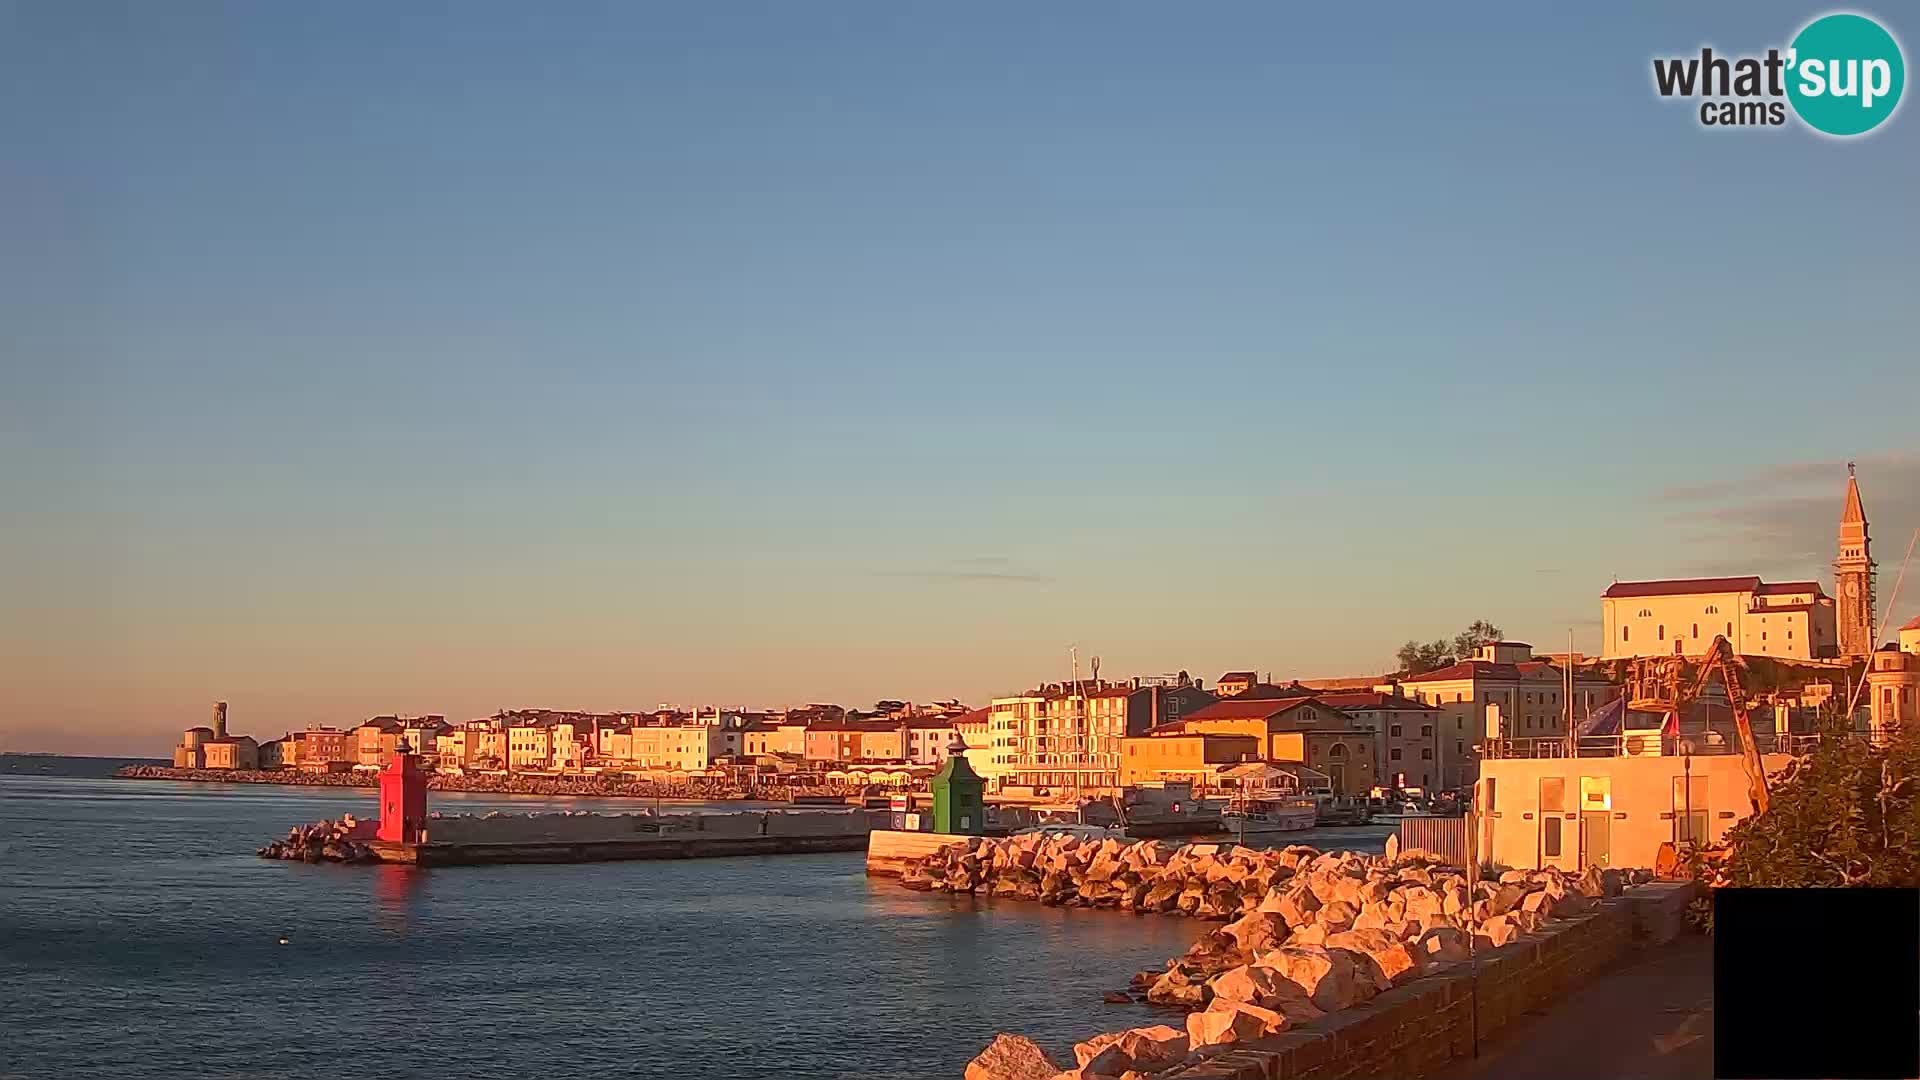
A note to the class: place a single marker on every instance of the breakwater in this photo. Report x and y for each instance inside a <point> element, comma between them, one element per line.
<point>1308,934</point>
<point>598,787</point>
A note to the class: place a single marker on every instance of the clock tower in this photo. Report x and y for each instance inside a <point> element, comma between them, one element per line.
<point>1853,576</point>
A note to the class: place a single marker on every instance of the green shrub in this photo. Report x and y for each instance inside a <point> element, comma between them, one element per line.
<point>1844,815</point>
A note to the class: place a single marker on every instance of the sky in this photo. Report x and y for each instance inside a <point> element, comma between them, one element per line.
<point>364,357</point>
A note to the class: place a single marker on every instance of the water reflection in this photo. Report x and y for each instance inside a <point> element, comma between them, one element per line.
<point>396,893</point>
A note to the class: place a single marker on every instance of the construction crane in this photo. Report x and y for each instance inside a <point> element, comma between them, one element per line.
<point>1656,687</point>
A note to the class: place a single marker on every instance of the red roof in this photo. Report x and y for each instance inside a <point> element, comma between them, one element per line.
<point>1373,699</point>
<point>1238,676</point>
<point>1243,708</point>
<point>1787,588</point>
<point>1682,586</point>
<point>1913,624</point>
<point>1775,609</point>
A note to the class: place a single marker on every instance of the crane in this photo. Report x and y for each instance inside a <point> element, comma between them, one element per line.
<point>1660,689</point>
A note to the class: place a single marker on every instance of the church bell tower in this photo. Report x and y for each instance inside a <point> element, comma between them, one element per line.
<point>1853,576</point>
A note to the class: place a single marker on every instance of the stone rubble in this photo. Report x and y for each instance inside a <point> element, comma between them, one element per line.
<point>1306,932</point>
<point>322,841</point>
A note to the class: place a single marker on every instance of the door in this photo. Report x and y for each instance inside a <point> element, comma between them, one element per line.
<point>1557,846</point>
<point>1594,829</point>
<point>1337,774</point>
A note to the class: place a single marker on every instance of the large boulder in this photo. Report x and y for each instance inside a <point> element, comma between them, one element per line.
<point>1507,897</point>
<point>1258,984</point>
<point>1393,962</point>
<point>1232,1022</point>
<point>1011,1057</point>
<point>1163,897</point>
<point>1333,978</point>
<point>1298,906</point>
<point>1338,916</point>
<point>1445,945</point>
<point>1179,987</point>
<point>1148,1049</point>
<point>1258,933</point>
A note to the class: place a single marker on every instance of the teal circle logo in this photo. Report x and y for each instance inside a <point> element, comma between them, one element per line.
<point>1845,74</point>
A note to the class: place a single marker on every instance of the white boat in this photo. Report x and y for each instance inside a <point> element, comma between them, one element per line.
<point>1255,815</point>
<point>1083,832</point>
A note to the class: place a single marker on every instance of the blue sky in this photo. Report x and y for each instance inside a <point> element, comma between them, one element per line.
<point>468,356</point>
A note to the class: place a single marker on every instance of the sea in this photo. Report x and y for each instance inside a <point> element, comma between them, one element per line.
<point>140,936</point>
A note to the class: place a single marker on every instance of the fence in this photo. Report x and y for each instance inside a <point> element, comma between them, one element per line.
<point>1444,836</point>
<point>1647,744</point>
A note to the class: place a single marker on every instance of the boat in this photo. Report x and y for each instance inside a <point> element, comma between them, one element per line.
<point>1081,832</point>
<point>1342,809</point>
<point>1260,815</point>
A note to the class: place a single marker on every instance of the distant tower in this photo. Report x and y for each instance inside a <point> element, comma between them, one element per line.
<point>219,719</point>
<point>1853,576</point>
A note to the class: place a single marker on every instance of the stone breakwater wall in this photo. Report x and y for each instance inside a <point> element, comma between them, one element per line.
<point>599,787</point>
<point>1312,935</point>
<point>583,827</point>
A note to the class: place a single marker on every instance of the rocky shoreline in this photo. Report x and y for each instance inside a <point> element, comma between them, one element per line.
<point>1311,932</point>
<point>597,787</point>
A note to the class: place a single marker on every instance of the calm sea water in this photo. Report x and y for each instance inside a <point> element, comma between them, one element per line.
<point>140,937</point>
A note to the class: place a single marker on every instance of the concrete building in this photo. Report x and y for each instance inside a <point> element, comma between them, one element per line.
<point>1910,636</point>
<point>1609,811</point>
<point>375,741</point>
<point>1406,735</point>
<point>190,752</point>
<point>322,749</point>
<point>1235,683</point>
<point>1501,693</point>
<point>277,753</point>
<point>775,737</point>
<point>1792,620</point>
<point>1068,734</point>
<point>928,737</point>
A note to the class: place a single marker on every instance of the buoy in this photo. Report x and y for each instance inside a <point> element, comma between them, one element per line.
<point>283,941</point>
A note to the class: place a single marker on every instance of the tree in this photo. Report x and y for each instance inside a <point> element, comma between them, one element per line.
<point>1416,659</point>
<point>1848,814</point>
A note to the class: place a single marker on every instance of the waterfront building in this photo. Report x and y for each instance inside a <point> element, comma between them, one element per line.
<point>1302,730</point>
<point>375,740</point>
<point>1502,692</point>
<point>323,749</point>
<point>276,753</point>
<point>770,737</point>
<point>1069,735</point>
<point>848,741</point>
<point>230,752</point>
<point>930,737</point>
<point>1176,755</point>
<point>1235,683</point>
<point>190,752</point>
<point>1893,687</point>
<point>1406,734</point>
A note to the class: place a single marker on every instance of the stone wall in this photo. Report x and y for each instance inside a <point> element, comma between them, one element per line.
<point>1417,1028</point>
<point>591,828</point>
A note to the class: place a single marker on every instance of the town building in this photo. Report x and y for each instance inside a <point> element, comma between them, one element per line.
<point>1893,688</point>
<point>1068,734</point>
<point>323,749</point>
<point>769,737</point>
<point>1503,692</point>
<point>190,752</point>
<point>276,753</point>
<point>376,740</point>
<point>1910,636</point>
<point>1176,755</point>
<point>1302,730</point>
<point>1406,734</point>
<point>856,740</point>
<point>230,752</point>
<point>930,736</point>
<point>1235,683</point>
<point>1788,620</point>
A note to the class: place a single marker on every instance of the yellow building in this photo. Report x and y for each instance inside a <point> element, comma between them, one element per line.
<point>1793,620</point>
<point>1195,757</point>
<point>231,752</point>
<point>1893,689</point>
<point>1296,729</point>
<point>1502,685</point>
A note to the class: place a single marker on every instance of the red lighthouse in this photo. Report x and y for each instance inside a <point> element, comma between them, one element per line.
<point>403,798</point>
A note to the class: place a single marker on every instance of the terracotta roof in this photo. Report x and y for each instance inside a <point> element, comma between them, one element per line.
<point>1269,691</point>
<point>1787,588</point>
<point>1682,586</point>
<point>1237,676</point>
<point>925,722</point>
<point>1373,699</point>
<point>1243,708</point>
<point>1912,624</point>
<point>1775,609</point>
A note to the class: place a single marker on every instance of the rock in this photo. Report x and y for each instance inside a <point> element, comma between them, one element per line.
<point>1298,906</point>
<point>1011,1057</point>
<point>1259,933</point>
<point>1494,932</point>
<point>1453,899</point>
<point>1117,997</point>
<point>1590,884</point>
<point>1445,945</point>
<point>1337,916</point>
<point>1506,898</point>
<point>1259,984</point>
<point>1393,847</point>
<point>1148,1049</point>
<point>1612,881</point>
<point>1538,902</point>
<point>1163,897</point>
<point>1177,987</point>
<point>1333,978</point>
<point>1312,934</point>
<point>1234,1021</point>
<point>1512,876</point>
<point>1392,960</point>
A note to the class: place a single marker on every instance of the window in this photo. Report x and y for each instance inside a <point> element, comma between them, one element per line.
<point>1624,635</point>
<point>1789,635</point>
<point>1426,731</point>
<point>1459,723</point>
<point>1729,631</point>
<point>1711,610</point>
<point>1553,794</point>
<point>1696,630</point>
<point>1337,750</point>
<point>1646,613</point>
<point>1426,753</point>
<point>1660,632</point>
<point>1393,754</point>
<point>1690,810</point>
<point>1488,782</point>
<point>1550,837</point>
<point>1459,747</point>
<point>1394,730</point>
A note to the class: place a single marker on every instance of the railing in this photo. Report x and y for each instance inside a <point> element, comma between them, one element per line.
<point>1652,744</point>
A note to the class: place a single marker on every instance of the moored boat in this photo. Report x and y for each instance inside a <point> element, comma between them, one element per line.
<point>1259,815</point>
